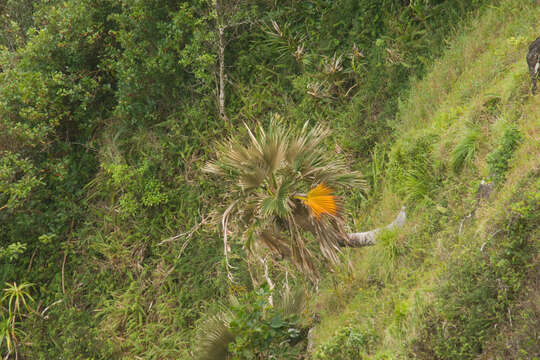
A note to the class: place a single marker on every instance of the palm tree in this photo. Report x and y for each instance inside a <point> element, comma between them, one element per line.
<point>281,193</point>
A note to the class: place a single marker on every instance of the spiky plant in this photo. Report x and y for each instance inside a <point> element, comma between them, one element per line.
<point>280,186</point>
<point>16,296</point>
<point>465,150</point>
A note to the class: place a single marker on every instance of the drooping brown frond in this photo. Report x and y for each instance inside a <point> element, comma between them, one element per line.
<point>330,231</point>
<point>276,243</point>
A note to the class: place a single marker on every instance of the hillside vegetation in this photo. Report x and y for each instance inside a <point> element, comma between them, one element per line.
<point>461,280</point>
<point>111,237</point>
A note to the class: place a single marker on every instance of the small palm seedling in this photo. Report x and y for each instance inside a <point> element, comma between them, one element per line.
<point>215,335</point>
<point>17,297</point>
<point>280,190</point>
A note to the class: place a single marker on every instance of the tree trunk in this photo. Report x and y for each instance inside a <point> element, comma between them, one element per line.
<point>222,44</point>
<point>368,238</point>
<point>221,59</point>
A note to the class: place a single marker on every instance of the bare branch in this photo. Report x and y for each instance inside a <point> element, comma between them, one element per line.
<point>188,234</point>
<point>226,248</point>
<point>50,306</point>
<point>268,280</point>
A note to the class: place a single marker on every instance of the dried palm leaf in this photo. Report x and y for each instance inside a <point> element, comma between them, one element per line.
<point>320,201</point>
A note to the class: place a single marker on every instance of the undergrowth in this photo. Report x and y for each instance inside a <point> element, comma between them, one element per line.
<point>109,110</point>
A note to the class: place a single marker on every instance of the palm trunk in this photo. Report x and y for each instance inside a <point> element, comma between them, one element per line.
<point>368,238</point>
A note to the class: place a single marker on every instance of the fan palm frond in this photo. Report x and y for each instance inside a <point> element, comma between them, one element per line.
<point>276,203</point>
<point>291,302</point>
<point>214,337</point>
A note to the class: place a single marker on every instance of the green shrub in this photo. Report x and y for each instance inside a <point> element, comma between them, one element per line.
<point>253,328</point>
<point>348,343</point>
<point>263,331</point>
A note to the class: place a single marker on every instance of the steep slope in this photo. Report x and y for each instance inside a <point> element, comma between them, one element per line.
<point>108,111</point>
<point>460,281</point>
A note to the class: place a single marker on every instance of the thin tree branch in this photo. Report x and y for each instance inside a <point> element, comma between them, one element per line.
<point>31,260</point>
<point>188,234</point>
<point>50,306</point>
<point>222,76</point>
<point>226,248</point>
<point>63,266</point>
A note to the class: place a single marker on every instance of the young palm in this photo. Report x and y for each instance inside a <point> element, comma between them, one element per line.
<point>281,187</point>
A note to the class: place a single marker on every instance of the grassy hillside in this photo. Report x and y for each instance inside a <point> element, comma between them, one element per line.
<point>461,279</point>
<point>109,110</point>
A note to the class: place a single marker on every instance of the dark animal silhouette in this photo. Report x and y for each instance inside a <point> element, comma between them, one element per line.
<point>533,60</point>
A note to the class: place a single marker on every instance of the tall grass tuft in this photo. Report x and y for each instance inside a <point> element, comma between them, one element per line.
<point>412,171</point>
<point>465,150</point>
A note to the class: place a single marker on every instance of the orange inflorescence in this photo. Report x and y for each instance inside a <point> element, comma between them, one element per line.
<point>321,201</point>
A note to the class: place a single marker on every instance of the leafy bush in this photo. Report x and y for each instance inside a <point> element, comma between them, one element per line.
<point>253,328</point>
<point>263,331</point>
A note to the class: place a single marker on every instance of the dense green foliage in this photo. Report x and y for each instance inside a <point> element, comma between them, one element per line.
<point>108,112</point>
<point>263,331</point>
<point>478,292</point>
<point>348,343</point>
<point>261,324</point>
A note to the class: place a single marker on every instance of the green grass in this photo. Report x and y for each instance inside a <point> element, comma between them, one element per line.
<point>449,286</point>
<point>465,150</point>
<point>109,112</point>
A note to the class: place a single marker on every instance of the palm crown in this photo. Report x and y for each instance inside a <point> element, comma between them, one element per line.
<point>267,178</point>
